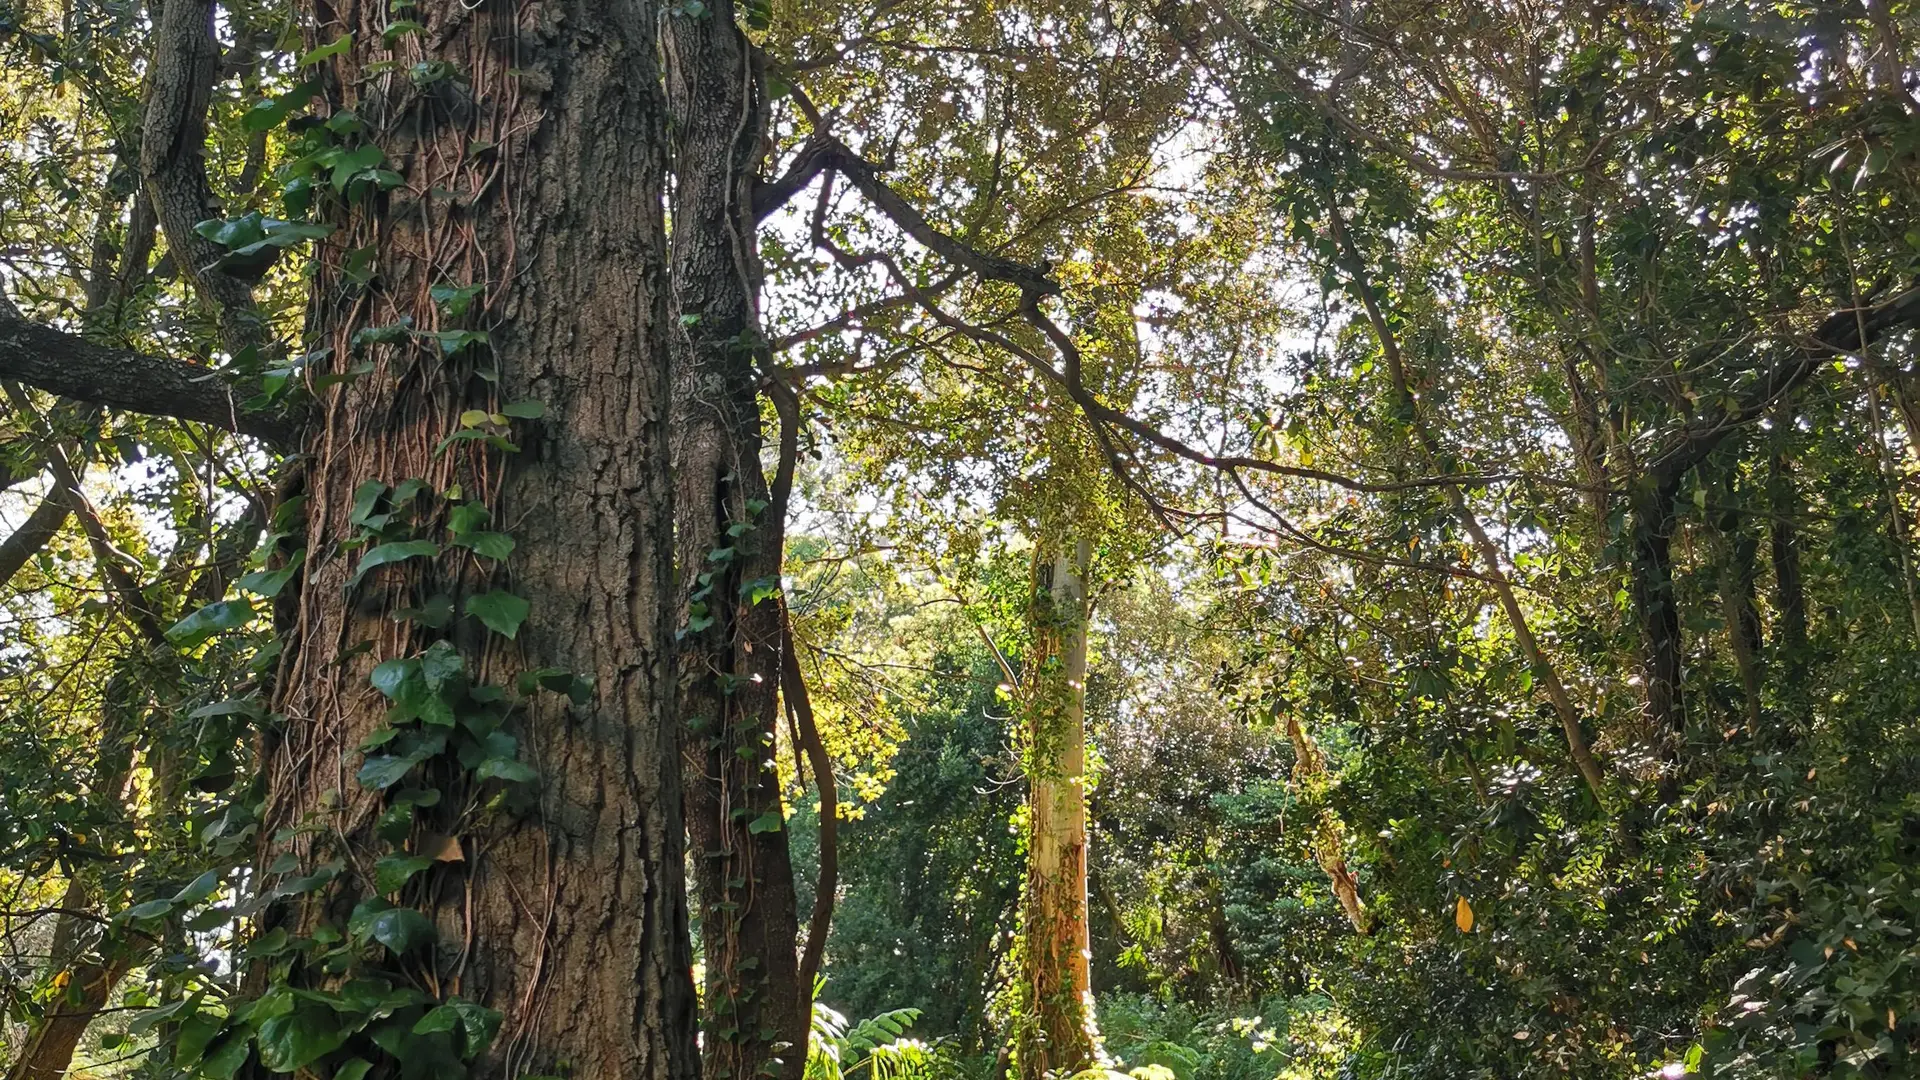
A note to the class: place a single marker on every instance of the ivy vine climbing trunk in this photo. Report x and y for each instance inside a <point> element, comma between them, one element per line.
<point>487,518</point>
<point>1327,836</point>
<point>729,535</point>
<point>1057,1036</point>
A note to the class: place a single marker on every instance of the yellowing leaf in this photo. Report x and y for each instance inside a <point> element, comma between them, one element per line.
<point>1463,915</point>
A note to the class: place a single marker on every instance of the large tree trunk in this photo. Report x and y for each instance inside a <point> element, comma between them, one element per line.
<point>1058,1034</point>
<point>529,143</point>
<point>729,534</point>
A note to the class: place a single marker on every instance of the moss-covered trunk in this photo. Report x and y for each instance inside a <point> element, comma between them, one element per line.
<point>1058,1034</point>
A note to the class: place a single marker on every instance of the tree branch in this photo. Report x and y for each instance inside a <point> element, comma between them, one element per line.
<point>34,534</point>
<point>1842,332</point>
<point>793,690</point>
<point>1035,285</point>
<point>73,367</point>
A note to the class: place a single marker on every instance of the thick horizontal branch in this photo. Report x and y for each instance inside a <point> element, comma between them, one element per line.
<point>1842,332</point>
<point>73,367</point>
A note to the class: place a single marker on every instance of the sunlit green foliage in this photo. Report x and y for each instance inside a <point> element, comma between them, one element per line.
<point>1488,386</point>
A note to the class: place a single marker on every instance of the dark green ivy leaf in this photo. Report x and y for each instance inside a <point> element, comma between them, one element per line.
<point>382,771</point>
<point>224,1060</point>
<point>268,583</point>
<point>402,930</point>
<point>389,675</point>
<point>493,545</point>
<point>501,611</point>
<point>441,663</point>
<point>269,113</point>
<point>508,769</point>
<point>392,873</point>
<point>335,47</point>
<point>392,553</point>
<point>208,621</point>
<point>299,1038</point>
<point>477,1024</point>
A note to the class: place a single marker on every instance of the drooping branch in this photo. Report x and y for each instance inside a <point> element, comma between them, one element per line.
<point>73,367</point>
<point>990,267</point>
<point>832,156</point>
<point>799,707</point>
<point>793,690</point>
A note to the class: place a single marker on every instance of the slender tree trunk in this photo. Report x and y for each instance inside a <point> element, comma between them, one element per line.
<point>1737,604</point>
<point>729,535</point>
<point>51,1042</point>
<point>1058,1036</point>
<point>1789,638</point>
<point>1657,611</point>
<point>528,143</point>
<point>1329,837</point>
<point>1220,933</point>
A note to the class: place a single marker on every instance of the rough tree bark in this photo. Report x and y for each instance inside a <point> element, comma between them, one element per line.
<point>1058,1034</point>
<point>529,143</point>
<point>729,535</point>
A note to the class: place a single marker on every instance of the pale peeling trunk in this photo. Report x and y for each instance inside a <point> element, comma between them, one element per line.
<point>534,169</point>
<point>1058,1036</point>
